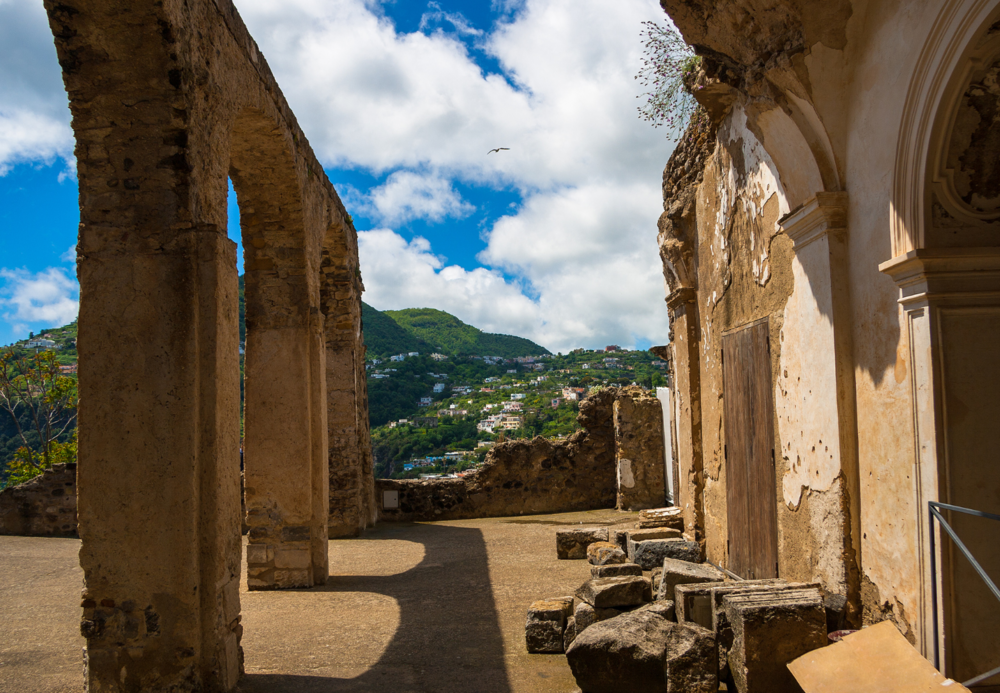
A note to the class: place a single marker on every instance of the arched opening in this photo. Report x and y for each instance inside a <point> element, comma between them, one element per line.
<point>946,238</point>
<point>284,442</point>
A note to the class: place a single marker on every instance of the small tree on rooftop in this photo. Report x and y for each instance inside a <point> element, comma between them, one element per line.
<point>668,67</point>
<point>42,403</point>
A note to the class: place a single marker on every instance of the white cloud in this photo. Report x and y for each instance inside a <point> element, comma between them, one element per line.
<point>407,195</point>
<point>371,97</point>
<point>457,20</point>
<point>50,296</point>
<point>34,114</point>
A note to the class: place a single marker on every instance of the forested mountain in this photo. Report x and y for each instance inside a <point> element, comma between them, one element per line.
<point>449,335</point>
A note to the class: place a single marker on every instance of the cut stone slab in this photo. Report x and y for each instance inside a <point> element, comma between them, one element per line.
<point>652,552</point>
<point>605,553</point>
<point>601,593</point>
<point>877,659</point>
<point>769,631</point>
<point>654,578</point>
<point>616,570</point>
<point>642,652</point>
<point>543,630</point>
<point>661,517</point>
<point>684,573</point>
<point>573,543</point>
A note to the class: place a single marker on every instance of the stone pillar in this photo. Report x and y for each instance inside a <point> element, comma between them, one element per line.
<point>158,474</point>
<point>690,482</point>
<point>639,455</point>
<point>816,410</point>
<point>284,453</point>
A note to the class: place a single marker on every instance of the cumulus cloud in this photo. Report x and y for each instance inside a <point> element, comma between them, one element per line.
<point>407,195</point>
<point>50,296</point>
<point>34,115</point>
<point>371,97</point>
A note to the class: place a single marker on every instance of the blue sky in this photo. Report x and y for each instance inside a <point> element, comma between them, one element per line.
<point>554,240</point>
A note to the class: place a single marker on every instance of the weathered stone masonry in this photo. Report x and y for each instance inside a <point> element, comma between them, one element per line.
<point>544,476</point>
<point>43,506</point>
<point>168,100</point>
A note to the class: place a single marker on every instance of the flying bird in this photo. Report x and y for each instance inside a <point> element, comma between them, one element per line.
<point>498,149</point>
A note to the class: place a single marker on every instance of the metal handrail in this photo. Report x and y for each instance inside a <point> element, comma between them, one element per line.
<point>935,515</point>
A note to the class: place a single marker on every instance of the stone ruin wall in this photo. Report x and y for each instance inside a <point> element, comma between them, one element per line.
<point>41,507</point>
<point>539,476</point>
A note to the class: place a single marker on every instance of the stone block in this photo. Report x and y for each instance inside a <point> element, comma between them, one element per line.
<point>614,591</point>
<point>661,517</point>
<point>543,629</point>
<point>683,573</point>
<point>567,604</point>
<point>584,615</point>
<point>569,635</point>
<point>293,559</point>
<point>620,537</point>
<point>661,607</point>
<point>654,579</point>
<point>605,553</point>
<point>289,579</point>
<point>651,553</point>
<point>694,602</point>
<point>615,570</point>
<point>573,543</point>
<point>770,629</point>
<point>642,652</point>
<point>655,533</point>
<point>259,554</point>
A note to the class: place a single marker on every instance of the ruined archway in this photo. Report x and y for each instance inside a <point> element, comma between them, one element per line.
<point>168,99</point>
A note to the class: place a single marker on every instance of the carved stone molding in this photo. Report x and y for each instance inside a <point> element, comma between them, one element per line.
<point>825,212</point>
<point>681,296</point>
<point>966,275</point>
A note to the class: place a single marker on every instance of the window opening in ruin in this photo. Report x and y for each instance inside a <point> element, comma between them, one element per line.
<point>236,235</point>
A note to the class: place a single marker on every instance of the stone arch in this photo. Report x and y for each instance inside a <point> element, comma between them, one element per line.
<point>941,75</point>
<point>167,99</point>
<point>946,248</point>
<point>349,452</point>
<point>285,380</point>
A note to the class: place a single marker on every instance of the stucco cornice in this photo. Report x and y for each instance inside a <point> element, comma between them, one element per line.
<point>681,296</point>
<point>825,212</point>
<point>962,274</point>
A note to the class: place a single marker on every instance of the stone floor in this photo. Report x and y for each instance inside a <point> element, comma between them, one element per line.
<point>433,607</point>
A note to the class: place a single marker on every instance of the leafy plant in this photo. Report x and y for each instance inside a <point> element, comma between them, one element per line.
<point>667,72</point>
<point>42,404</point>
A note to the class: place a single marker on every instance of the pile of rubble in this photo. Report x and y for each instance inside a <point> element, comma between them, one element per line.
<point>653,617</point>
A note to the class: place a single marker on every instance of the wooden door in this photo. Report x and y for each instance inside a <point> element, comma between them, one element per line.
<point>749,452</point>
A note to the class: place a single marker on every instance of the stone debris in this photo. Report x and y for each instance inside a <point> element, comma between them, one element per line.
<point>620,537</point>
<point>615,570</point>
<point>544,627</point>
<point>643,652</point>
<point>662,607</point>
<point>614,592</point>
<point>651,553</point>
<point>654,577</point>
<point>569,635</point>
<point>695,600</point>
<point>661,517</point>
<point>573,543</point>
<point>770,629</point>
<point>684,573</point>
<point>605,553</point>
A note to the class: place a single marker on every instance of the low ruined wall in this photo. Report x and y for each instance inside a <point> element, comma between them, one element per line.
<point>44,506</point>
<point>523,477</point>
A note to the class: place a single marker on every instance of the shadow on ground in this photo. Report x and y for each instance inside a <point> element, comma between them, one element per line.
<point>448,636</point>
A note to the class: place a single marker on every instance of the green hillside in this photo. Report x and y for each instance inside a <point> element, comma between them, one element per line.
<point>385,337</point>
<point>451,336</point>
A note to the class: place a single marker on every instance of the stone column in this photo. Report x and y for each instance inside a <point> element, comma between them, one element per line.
<point>158,474</point>
<point>639,453</point>
<point>690,482</point>
<point>284,444</point>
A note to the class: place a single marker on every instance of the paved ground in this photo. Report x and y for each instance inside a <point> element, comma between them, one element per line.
<point>433,608</point>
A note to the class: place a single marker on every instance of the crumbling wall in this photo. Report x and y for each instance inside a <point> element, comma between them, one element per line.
<point>639,450</point>
<point>523,477</point>
<point>41,507</point>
